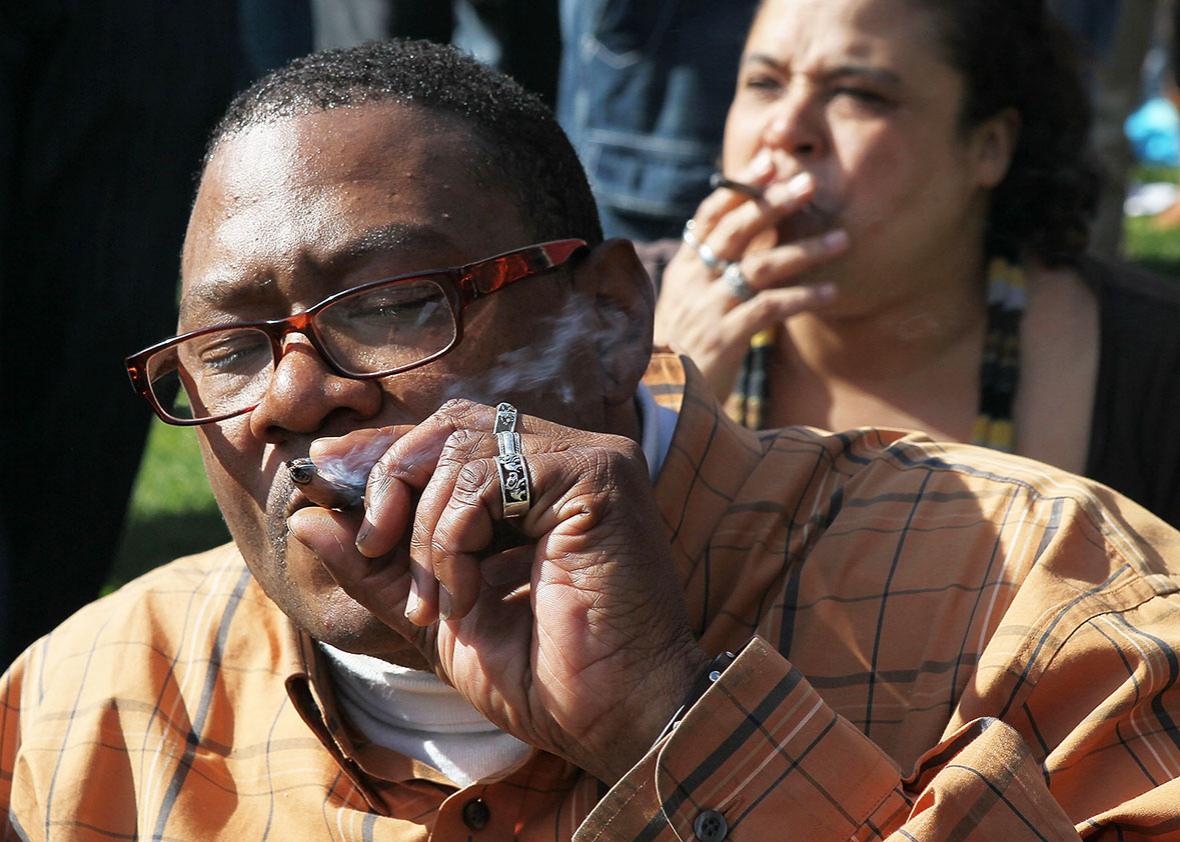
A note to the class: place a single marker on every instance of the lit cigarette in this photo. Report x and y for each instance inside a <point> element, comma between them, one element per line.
<point>324,489</point>
<point>718,180</point>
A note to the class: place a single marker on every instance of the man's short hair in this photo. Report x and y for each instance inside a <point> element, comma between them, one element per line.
<point>526,152</point>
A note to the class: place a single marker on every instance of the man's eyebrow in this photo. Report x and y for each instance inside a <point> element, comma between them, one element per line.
<point>220,291</point>
<point>865,71</point>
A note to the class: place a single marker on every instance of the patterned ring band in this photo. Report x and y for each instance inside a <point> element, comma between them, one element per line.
<point>704,250</point>
<point>510,464</point>
<point>514,484</point>
<point>736,282</point>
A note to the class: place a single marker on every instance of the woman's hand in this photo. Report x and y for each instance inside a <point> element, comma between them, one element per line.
<point>565,627</point>
<point>699,315</point>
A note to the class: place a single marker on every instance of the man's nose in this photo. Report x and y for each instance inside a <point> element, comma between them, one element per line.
<point>795,125</point>
<point>305,395</point>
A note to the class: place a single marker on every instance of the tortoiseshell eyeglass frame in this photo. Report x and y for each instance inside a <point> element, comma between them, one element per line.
<point>462,285</point>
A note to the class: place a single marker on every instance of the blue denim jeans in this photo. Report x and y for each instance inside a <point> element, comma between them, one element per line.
<point>643,94</point>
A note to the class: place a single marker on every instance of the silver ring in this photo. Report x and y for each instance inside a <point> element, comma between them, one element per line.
<point>508,443</point>
<point>505,418</point>
<point>736,282</point>
<point>704,250</point>
<point>511,467</point>
<point>514,484</point>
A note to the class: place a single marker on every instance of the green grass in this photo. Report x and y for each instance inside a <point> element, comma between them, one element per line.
<point>1146,173</point>
<point>172,509</point>
<point>1157,250</point>
<point>1144,242</point>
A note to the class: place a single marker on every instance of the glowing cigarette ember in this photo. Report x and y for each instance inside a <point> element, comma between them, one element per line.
<point>325,487</point>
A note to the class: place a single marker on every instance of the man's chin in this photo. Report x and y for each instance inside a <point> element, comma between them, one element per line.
<point>310,597</point>
<point>366,635</point>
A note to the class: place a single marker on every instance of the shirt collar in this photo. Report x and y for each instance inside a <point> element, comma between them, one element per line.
<point>657,426</point>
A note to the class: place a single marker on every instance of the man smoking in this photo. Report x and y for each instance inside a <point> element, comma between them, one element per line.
<point>522,631</point>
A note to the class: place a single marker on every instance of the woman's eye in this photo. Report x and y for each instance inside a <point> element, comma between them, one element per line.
<point>761,83</point>
<point>862,96</point>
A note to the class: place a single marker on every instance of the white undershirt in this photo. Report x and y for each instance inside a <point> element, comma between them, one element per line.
<point>418,715</point>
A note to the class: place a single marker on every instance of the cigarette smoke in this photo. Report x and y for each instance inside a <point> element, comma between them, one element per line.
<point>576,336</point>
<point>352,469</point>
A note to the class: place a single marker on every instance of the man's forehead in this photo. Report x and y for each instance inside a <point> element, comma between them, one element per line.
<point>414,247</point>
<point>330,188</point>
<point>373,139</point>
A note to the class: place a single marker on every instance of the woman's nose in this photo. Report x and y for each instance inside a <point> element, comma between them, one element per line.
<point>304,394</point>
<point>795,126</point>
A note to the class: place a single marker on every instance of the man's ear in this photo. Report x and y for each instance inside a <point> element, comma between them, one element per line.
<point>993,143</point>
<point>612,279</point>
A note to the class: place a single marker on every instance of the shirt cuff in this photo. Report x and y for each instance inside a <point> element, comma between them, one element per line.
<point>760,754</point>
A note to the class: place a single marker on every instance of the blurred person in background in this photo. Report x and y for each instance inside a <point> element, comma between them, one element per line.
<point>641,88</point>
<point>643,94</point>
<point>517,37</point>
<point>915,255</point>
<point>104,108</point>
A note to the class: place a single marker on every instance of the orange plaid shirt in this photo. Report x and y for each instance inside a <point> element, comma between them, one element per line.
<point>936,642</point>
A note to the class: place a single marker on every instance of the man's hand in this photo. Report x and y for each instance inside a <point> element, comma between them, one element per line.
<point>565,627</point>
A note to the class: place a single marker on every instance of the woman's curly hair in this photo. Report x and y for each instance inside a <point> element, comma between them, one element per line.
<point>1015,54</point>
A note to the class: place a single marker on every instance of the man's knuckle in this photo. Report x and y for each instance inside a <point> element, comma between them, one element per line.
<point>460,446</point>
<point>471,481</point>
<point>420,544</point>
<point>455,407</point>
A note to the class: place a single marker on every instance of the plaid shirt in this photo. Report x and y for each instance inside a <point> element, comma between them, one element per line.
<point>935,641</point>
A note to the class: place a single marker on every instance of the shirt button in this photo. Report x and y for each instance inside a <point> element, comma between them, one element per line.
<point>476,814</point>
<point>710,826</point>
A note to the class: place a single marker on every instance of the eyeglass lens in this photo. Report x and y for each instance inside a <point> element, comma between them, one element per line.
<point>383,329</point>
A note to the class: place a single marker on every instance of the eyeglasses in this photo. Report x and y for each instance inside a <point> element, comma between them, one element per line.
<point>373,330</point>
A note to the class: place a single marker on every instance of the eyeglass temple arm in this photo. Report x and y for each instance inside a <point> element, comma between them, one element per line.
<point>493,274</point>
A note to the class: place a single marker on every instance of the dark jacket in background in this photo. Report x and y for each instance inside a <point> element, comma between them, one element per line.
<point>104,111</point>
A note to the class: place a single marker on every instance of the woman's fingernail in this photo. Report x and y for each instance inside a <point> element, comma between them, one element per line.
<point>444,603</point>
<point>826,291</point>
<point>836,239</point>
<point>760,164</point>
<point>800,183</point>
<point>412,601</point>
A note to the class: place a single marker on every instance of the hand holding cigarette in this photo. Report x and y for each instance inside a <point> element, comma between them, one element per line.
<point>497,622</point>
<point>335,474</point>
<point>325,489</point>
<point>719,181</point>
<point>748,250</point>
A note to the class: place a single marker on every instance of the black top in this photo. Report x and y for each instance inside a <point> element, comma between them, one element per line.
<point>1135,430</point>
